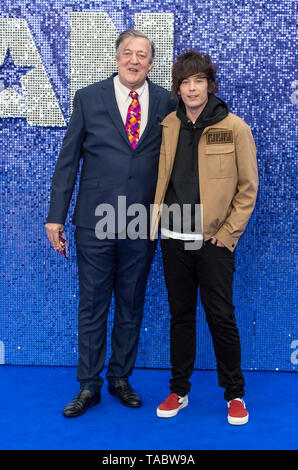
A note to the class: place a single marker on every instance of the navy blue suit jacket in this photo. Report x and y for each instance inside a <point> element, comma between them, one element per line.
<point>111,168</point>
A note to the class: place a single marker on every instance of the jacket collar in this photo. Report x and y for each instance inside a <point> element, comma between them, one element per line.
<point>173,122</point>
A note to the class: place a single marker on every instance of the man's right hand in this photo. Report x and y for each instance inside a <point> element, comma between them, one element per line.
<point>53,234</point>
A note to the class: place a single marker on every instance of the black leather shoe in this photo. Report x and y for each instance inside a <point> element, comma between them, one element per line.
<point>81,403</point>
<point>122,390</point>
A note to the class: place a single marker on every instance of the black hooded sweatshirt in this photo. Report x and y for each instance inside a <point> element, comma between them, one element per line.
<point>184,182</point>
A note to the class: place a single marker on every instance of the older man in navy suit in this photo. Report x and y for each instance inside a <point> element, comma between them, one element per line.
<point>115,127</point>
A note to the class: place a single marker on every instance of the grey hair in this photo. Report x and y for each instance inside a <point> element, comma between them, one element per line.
<point>134,34</point>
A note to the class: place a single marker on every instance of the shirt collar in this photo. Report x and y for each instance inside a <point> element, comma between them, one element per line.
<point>124,91</point>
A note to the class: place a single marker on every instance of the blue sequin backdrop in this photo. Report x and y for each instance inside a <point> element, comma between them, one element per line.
<point>253,43</point>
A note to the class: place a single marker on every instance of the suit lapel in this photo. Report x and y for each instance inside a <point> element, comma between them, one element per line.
<point>109,99</point>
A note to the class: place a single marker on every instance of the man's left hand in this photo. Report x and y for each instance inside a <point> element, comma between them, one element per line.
<point>216,242</point>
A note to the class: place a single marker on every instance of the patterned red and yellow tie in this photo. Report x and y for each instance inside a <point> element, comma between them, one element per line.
<point>133,119</point>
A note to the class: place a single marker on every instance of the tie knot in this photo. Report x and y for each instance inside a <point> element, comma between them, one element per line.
<point>133,94</point>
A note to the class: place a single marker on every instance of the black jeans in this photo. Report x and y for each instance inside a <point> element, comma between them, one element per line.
<point>211,268</point>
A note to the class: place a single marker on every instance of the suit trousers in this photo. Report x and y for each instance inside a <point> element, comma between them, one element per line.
<point>106,266</point>
<point>210,269</point>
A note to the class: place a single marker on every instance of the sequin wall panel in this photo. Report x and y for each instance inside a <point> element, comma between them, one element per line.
<point>50,49</point>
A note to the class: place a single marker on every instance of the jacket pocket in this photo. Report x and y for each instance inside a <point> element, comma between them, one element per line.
<point>221,161</point>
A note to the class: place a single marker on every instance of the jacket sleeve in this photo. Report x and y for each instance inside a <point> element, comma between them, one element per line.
<point>67,165</point>
<point>245,197</point>
<point>156,208</point>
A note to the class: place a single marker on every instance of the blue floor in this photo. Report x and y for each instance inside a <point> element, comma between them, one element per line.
<point>32,399</point>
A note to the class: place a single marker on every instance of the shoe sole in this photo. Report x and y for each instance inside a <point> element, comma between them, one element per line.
<point>79,413</point>
<point>237,421</point>
<point>123,403</point>
<point>170,413</point>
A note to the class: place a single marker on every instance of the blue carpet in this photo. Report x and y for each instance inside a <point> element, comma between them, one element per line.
<point>32,399</point>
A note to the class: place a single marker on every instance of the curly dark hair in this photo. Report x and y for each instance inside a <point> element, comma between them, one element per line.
<point>192,63</point>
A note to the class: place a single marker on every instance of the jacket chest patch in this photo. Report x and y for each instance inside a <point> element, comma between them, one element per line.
<point>219,137</point>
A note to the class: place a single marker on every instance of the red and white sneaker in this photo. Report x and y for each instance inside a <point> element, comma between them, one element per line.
<point>171,405</point>
<point>237,412</point>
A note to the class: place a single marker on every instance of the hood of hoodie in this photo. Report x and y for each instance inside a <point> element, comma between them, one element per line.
<point>215,110</point>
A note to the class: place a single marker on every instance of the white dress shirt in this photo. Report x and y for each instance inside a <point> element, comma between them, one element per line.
<point>124,101</point>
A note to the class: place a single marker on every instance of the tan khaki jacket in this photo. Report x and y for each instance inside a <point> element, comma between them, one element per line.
<point>228,176</point>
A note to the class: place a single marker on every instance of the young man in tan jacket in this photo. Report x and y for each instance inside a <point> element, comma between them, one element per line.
<point>207,162</point>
